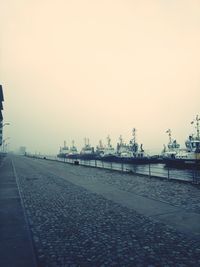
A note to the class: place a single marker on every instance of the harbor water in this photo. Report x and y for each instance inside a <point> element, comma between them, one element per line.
<point>151,170</point>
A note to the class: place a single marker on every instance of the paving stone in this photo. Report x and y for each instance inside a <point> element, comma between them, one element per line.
<point>74,227</point>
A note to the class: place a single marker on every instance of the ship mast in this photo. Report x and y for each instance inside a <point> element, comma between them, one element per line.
<point>134,135</point>
<point>121,140</point>
<point>100,144</point>
<point>170,135</point>
<point>85,141</point>
<point>108,138</point>
<point>197,126</point>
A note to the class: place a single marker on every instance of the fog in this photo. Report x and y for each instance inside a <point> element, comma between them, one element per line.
<point>76,69</point>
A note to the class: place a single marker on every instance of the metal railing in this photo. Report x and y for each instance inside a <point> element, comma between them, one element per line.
<point>150,170</point>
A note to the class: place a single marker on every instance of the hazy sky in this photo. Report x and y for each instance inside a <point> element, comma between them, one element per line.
<point>77,68</point>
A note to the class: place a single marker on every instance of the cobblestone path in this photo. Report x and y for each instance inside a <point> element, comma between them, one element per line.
<point>74,227</point>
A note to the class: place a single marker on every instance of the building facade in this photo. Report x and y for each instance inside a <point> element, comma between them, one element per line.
<point>1,115</point>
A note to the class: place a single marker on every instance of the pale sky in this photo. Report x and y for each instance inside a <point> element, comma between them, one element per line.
<point>77,68</point>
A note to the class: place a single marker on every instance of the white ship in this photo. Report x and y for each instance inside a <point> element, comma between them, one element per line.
<point>132,153</point>
<point>64,151</point>
<point>100,149</point>
<point>73,152</point>
<point>190,156</point>
<point>108,153</point>
<point>87,151</point>
<point>172,147</point>
<point>123,150</point>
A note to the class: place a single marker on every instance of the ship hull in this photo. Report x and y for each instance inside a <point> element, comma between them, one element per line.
<point>73,156</point>
<point>132,160</point>
<point>182,163</point>
<point>87,156</point>
<point>109,158</point>
<point>62,156</point>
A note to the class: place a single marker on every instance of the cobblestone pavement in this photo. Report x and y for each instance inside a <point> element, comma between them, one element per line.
<point>74,227</point>
<point>177,193</point>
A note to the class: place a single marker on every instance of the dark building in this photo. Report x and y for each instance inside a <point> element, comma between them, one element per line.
<point>1,115</point>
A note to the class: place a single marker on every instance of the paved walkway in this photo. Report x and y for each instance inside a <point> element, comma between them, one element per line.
<point>177,217</point>
<point>79,216</point>
<point>184,221</point>
<point>16,248</point>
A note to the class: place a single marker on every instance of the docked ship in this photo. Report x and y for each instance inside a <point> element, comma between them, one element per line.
<point>99,150</point>
<point>172,147</point>
<point>107,153</point>
<point>64,151</point>
<point>123,150</point>
<point>190,156</point>
<point>132,153</point>
<point>87,152</point>
<point>73,152</point>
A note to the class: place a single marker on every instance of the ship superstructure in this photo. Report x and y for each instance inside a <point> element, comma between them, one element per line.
<point>123,150</point>
<point>100,149</point>
<point>73,152</point>
<point>132,153</point>
<point>108,153</point>
<point>190,155</point>
<point>87,151</point>
<point>64,151</point>
<point>172,147</point>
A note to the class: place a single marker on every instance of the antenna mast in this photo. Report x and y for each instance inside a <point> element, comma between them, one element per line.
<point>134,135</point>
<point>197,126</point>
<point>170,135</point>
<point>121,140</point>
<point>108,138</point>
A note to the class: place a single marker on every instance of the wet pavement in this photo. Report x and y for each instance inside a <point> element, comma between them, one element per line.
<point>80,216</point>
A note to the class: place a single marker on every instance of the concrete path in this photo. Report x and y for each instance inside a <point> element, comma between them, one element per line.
<point>16,248</point>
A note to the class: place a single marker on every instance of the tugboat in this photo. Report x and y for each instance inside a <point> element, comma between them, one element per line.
<point>139,155</point>
<point>172,147</point>
<point>190,156</point>
<point>64,151</point>
<point>108,153</point>
<point>123,150</point>
<point>131,153</point>
<point>87,152</point>
<point>100,150</point>
<point>73,152</point>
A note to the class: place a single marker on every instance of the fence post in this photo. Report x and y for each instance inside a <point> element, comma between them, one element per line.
<point>168,173</point>
<point>149,170</point>
<point>95,163</point>
<point>122,166</point>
